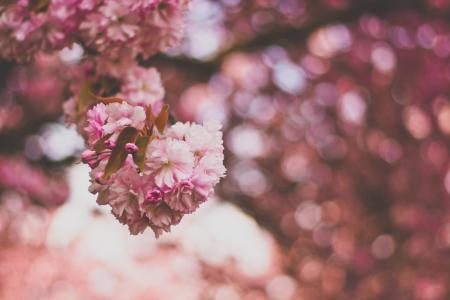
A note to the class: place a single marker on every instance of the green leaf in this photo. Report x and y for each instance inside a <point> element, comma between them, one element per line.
<point>142,143</point>
<point>99,146</point>
<point>163,117</point>
<point>119,155</point>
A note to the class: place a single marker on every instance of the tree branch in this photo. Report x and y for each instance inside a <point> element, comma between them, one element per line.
<point>297,34</point>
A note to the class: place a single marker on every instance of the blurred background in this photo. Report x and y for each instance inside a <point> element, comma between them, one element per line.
<point>336,118</point>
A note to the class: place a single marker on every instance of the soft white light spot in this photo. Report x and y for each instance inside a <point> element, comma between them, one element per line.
<point>308,215</point>
<point>329,41</point>
<point>227,293</point>
<point>417,122</point>
<point>383,58</point>
<point>71,54</point>
<point>204,42</point>
<point>281,287</point>
<point>383,246</point>
<point>59,142</point>
<point>289,77</point>
<point>251,180</point>
<point>352,108</point>
<point>247,142</point>
<point>240,240</point>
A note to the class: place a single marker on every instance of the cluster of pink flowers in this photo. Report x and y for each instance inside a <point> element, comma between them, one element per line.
<point>105,26</point>
<point>182,164</point>
<point>149,172</point>
<point>138,86</point>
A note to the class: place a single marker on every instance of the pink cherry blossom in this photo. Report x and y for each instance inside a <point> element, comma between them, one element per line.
<point>211,165</point>
<point>124,189</point>
<point>184,197</point>
<point>97,186</point>
<point>119,24</point>
<point>89,157</point>
<point>145,4</point>
<point>164,27</point>
<point>103,26</point>
<point>121,115</point>
<point>174,182</point>
<point>202,139</point>
<point>96,119</point>
<point>177,131</point>
<point>112,23</point>
<point>116,63</point>
<point>182,163</point>
<point>161,218</point>
<point>169,161</point>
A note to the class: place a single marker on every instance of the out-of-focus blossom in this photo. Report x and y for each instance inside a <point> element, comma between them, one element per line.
<point>106,26</point>
<point>17,174</point>
<point>142,86</point>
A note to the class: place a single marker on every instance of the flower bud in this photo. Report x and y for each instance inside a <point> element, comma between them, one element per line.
<point>90,157</point>
<point>131,148</point>
<point>154,196</point>
<point>99,178</point>
<point>110,144</point>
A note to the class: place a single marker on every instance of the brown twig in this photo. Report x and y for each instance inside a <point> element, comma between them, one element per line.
<point>296,34</point>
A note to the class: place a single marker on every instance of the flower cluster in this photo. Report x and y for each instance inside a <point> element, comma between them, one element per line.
<point>140,86</point>
<point>103,26</point>
<point>150,175</point>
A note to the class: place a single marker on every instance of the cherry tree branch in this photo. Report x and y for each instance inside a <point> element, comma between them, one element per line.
<point>297,34</point>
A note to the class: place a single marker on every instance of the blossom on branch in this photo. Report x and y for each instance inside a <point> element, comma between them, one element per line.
<point>104,26</point>
<point>148,174</point>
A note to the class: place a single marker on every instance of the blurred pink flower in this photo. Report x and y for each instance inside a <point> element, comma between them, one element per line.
<point>142,86</point>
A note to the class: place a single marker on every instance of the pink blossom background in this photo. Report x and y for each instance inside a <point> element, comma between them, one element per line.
<point>336,117</point>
